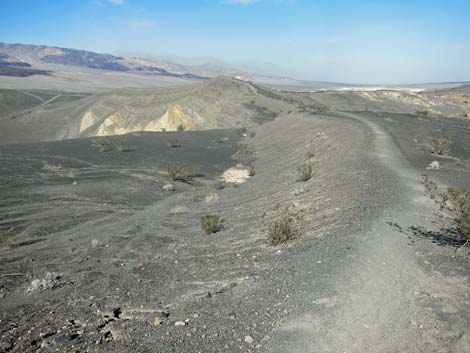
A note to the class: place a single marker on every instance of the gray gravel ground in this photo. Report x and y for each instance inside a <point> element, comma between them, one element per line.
<point>141,277</point>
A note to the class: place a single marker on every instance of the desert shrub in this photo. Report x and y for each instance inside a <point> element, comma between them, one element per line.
<point>440,145</point>
<point>283,225</point>
<point>244,154</point>
<point>422,112</point>
<point>310,153</point>
<point>211,224</point>
<point>251,171</point>
<point>10,233</point>
<point>219,184</point>
<point>182,172</point>
<point>181,127</point>
<point>179,210</point>
<point>122,146</point>
<point>103,145</point>
<point>217,139</point>
<point>453,205</point>
<point>323,109</point>
<point>101,142</point>
<point>243,131</point>
<point>289,112</point>
<point>197,198</point>
<point>211,197</point>
<point>173,142</point>
<point>252,134</point>
<point>466,115</point>
<point>304,171</point>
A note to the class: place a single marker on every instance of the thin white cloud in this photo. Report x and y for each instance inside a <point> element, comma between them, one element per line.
<point>241,2</point>
<point>116,2</point>
<point>141,24</point>
<point>249,2</point>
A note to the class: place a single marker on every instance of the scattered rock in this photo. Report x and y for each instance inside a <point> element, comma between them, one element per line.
<point>179,210</point>
<point>433,165</point>
<point>180,323</point>
<point>157,321</point>
<point>50,280</point>
<point>169,187</point>
<point>249,339</point>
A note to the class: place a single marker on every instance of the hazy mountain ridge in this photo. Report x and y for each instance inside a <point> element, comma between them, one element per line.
<point>32,55</point>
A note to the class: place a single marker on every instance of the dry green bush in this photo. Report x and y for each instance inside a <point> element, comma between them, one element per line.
<point>323,109</point>
<point>252,134</point>
<point>181,127</point>
<point>10,233</point>
<point>244,154</point>
<point>179,210</point>
<point>252,171</point>
<point>103,145</point>
<point>304,171</point>
<point>284,224</point>
<point>217,139</point>
<point>422,112</point>
<point>219,184</point>
<point>123,146</point>
<point>211,223</point>
<point>454,205</point>
<point>182,172</point>
<point>310,153</point>
<point>197,198</point>
<point>173,142</point>
<point>440,145</point>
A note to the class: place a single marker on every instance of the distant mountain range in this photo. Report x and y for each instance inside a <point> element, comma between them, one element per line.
<point>26,60</point>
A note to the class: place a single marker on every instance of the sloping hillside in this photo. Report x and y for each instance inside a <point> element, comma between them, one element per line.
<point>215,104</point>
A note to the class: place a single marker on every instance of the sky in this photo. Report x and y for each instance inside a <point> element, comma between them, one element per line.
<point>354,41</point>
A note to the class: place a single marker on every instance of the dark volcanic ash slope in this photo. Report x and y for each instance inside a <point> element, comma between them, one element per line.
<point>131,271</point>
<point>453,103</point>
<point>215,104</point>
<point>95,256</point>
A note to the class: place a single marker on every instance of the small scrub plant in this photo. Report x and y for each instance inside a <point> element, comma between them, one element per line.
<point>173,142</point>
<point>304,171</point>
<point>283,225</point>
<point>323,109</point>
<point>251,171</point>
<point>440,145</point>
<point>122,146</point>
<point>179,210</point>
<point>453,206</point>
<point>102,145</point>
<point>252,134</point>
<point>310,153</point>
<point>211,224</point>
<point>244,154</point>
<point>217,139</point>
<point>10,233</point>
<point>219,184</point>
<point>181,127</point>
<point>422,112</point>
<point>197,198</point>
<point>243,131</point>
<point>181,172</point>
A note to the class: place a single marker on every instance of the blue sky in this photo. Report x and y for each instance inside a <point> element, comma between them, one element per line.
<point>361,41</point>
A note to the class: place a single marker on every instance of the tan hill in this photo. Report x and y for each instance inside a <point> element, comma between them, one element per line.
<point>215,104</point>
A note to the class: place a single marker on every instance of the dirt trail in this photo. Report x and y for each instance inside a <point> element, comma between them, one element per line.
<point>384,300</point>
